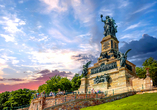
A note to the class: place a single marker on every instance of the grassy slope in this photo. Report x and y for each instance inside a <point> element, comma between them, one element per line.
<point>146,101</point>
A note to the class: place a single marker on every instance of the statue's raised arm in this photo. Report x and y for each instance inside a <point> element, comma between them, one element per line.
<point>102,19</point>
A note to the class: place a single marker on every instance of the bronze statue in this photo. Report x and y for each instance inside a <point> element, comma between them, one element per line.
<point>85,67</point>
<point>123,58</point>
<point>110,27</point>
<point>102,78</point>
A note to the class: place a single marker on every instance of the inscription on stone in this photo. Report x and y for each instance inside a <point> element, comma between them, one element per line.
<point>106,45</point>
<point>104,67</point>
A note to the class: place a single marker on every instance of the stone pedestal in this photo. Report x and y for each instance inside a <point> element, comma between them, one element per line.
<point>100,86</point>
<point>83,85</point>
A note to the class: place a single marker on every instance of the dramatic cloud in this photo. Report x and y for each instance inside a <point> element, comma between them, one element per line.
<point>85,58</point>
<point>141,50</point>
<point>46,74</point>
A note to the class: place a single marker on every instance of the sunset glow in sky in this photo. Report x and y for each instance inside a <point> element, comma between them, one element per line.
<point>43,38</point>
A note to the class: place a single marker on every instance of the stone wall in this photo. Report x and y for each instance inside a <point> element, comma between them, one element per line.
<point>42,103</point>
<point>139,84</point>
<point>77,101</point>
<point>81,103</point>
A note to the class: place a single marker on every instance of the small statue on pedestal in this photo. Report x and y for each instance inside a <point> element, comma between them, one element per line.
<point>123,58</point>
<point>85,69</point>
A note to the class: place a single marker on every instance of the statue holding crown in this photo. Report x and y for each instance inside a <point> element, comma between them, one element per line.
<point>110,27</point>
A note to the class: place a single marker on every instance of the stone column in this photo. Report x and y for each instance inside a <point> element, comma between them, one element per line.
<point>147,74</point>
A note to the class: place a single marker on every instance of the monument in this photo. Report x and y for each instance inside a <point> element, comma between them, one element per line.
<point>112,69</point>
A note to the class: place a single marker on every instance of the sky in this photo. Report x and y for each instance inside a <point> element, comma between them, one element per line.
<point>43,38</point>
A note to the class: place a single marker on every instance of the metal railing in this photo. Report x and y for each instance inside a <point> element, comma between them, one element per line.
<point>16,108</point>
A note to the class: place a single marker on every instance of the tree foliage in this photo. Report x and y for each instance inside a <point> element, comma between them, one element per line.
<point>148,63</point>
<point>65,84</point>
<point>76,81</point>
<point>3,98</point>
<point>15,98</point>
<point>57,82</point>
<point>53,84</point>
<point>141,72</point>
<point>42,88</point>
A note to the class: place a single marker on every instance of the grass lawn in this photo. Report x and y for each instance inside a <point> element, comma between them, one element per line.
<point>146,101</point>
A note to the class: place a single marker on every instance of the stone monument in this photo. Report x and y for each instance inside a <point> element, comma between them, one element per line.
<point>112,69</point>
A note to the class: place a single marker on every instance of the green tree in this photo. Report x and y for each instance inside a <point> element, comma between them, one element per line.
<point>141,72</point>
<point>148,63</point>
<point>53,84</point>
<point>42,88</point>
<point>15,98</point>
<point>57,82</point>
<point>3,98</point>
<point>65,84</point>
<point>76,81</point>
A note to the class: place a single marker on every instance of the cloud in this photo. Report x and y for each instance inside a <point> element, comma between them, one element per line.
<point>15,62</point>
<point>11,25</point>
<point>7,58</point>
<point>139,24</point>
<point>8,38</point>
<point>133,26</point>
<point>83,10</point>
<point>21,1</point>
<point>45,71</point>
<point>3,65</point>
<point>123,3</point>
<point>135,35</point>
<point>46,74</point>
<point>2,6</point>
<point>87,48</point>
<point>12,79</point>
<point>58,35</point>
<point>85,58</point>
<point>144,7</point>
<point>22,23</point>
<point>149,11</point>
<point>54,59</point>
<point>141,50</point>
<point>107,12</point>
<point>55,5</point>
<point>41,37</point>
